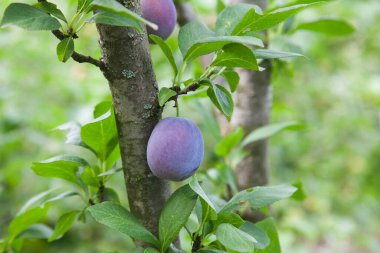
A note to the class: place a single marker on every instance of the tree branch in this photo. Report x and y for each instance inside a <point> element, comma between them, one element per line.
<point>77,56</point>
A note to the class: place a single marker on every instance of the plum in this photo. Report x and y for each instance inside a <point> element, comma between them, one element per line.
<point>175,149</point>
<point>161,12</point>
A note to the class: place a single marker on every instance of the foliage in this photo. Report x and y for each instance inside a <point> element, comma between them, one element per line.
<point>101,163</point>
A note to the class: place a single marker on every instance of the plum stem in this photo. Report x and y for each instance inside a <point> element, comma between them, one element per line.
<point>176,105</point>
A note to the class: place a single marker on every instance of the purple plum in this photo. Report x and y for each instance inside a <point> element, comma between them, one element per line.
<point>161,12</point>
<point>175,149</point>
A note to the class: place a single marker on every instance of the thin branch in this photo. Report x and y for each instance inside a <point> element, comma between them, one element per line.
<point>190,88</point>
<point>197,244</point>
<point>102,192</point>
<point>77,56</point>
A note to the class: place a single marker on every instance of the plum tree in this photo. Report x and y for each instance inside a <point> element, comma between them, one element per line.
<point>161,12</point>
<point>175,149</point>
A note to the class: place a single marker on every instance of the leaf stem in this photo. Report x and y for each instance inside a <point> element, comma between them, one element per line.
<point>180,74</point>
<point>72,23</point>
<point>219,73</point>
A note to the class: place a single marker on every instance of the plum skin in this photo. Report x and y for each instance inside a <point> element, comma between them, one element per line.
<point>161,12</point>
<point>175,149</point>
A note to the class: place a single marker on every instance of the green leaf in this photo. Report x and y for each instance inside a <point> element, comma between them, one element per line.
<point>190,33</point>
<point>63,195</point>
<point>26,219</point>
<point>241,26</point>
<point>117,8</point>
<point>196,187</point>
<point>331,27</point>
<point>64,223</point>
<point>110,172</point>
<point>102,108</point>
<point>101,135</point>
<point>222,99</point>
<point>231,16</point>
<point>268,131</point>
<point>109,18</point>
<point>46,197</point>
<point>225,146</point>
<point>175,214</point>
<point>220,5</point>
<point>3,244</point>
<point>208,214</point>
<point>268,20</point>
<point>151,250</point>
<point>72,130</point>
<point>51,9</point>
<point>212,44</point>
<point>236,56</point>
<point>235,239</point>
<point>65,49</point>
<point>36,231</point>
<point>111,195</point>
<point>257,233</point>
<point>89,177</point>
<point>64,167</point>
<point>166,50</point>
<point>29,17</point>
<point>113,158</point>
<point>295,2</point>
<point>206,250</point>
<point>269,227</point>
<point>300,194</point>
<point>36,199</point>
<point>232,79</point>
<point>195,40</point>
<point>117,217</point>
<point>259,197</point>
<point>230,218</point>
<point>164,95</point>
<point>83,4</point>
<point>272,54</point>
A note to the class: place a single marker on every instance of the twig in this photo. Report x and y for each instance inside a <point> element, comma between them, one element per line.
<point>192,87</point>
<point>102,195</point>
<point>197,244</point>
<point>91,202</point>
<point>77,56</point>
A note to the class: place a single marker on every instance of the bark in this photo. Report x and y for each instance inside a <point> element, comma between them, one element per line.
<point>252,110</point>
<point>128,69</point>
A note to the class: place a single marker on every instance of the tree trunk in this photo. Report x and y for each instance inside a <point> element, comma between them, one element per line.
<point>252,110</point>
<point>253,104</point>
<point>128,69</point>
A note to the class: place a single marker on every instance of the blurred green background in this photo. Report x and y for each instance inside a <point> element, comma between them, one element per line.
<point>335,93</point>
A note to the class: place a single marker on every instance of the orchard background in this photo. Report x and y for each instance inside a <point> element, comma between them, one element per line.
<point>333,92</point>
